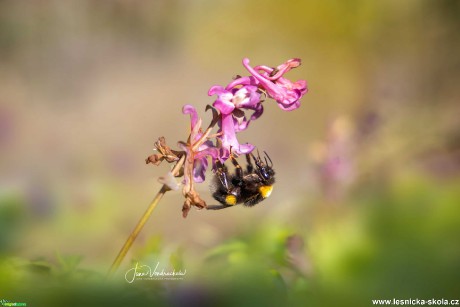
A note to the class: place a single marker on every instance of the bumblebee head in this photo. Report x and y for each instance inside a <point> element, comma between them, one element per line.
<point>265,170</point>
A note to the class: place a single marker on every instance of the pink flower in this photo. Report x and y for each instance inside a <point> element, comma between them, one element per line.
<point>229,99</point>
<point>284,91</point>
<point>230,102</point>
<point>228,138</point>
<point>244,93</point>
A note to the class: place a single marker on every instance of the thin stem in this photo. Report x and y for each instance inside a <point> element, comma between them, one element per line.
<point>129,242</point>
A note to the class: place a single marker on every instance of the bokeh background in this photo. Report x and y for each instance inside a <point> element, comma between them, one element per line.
<point>367,200</point>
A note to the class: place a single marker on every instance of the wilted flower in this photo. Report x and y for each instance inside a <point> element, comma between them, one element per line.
<point>164,153</point>
<point>197,149</point>
<point>198,146</point>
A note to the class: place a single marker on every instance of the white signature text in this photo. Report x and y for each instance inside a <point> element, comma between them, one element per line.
<point>142,271</point>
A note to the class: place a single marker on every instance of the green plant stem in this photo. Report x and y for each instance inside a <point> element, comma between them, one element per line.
<point>132,237</point>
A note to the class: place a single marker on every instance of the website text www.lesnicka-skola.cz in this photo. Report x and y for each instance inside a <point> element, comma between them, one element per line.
<point>416,301</point>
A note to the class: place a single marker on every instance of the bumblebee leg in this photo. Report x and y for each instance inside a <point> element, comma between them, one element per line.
<point>249,167</point>
<point>238,169</point>
<point>217,207</point>
<point>221,173</point>
<point>225,193</point>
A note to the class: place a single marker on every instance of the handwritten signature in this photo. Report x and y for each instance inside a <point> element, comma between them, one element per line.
<point>145,272</point>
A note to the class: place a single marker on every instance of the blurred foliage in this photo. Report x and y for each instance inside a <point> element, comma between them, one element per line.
<point>400,241</point>
<point>12,222</point>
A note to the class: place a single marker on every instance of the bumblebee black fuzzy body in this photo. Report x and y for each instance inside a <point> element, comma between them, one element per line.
<point>248,187</point>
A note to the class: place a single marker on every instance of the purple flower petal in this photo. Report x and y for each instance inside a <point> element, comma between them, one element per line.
<point>227,101</point>
<point>196,160</point>
<point>246,97</point>
<point>216,90</point>
<point>213,152</point>
<point>245,149</point>
<point>228,138</point>
<point>243,124</point>
<point>189,109</point>
<point>224,104</point>
<point>285,67</point>
<point>199,169</point>
<point>242,81</point>
<point>285,92</point>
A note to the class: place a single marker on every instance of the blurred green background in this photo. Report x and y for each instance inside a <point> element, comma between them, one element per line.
<point>367,200</point>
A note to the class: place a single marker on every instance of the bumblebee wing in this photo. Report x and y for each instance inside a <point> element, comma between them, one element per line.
<point>252,179</point>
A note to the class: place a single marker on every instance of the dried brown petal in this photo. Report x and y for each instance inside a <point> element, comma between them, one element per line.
<point>154,159</point>
<point>165,153</point>
<point>192,198</point>
<point>185,209</point>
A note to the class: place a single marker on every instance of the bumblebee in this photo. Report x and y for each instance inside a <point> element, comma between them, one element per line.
<point>248,187</point>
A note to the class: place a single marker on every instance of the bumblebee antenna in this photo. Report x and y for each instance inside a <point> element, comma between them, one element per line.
<point>267,156</point>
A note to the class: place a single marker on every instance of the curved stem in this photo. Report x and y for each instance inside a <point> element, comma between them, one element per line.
<point>129,242</point>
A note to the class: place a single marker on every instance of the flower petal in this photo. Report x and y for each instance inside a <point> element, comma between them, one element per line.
<point>224,104</point>
<point>224,99</point>
<point>285,67</point>
<point>245,149</point>
<point>284,91</point>
<point>189,109</point>
<point>199,169</point>
<point>246,97</point>
<point>243,123</point>
<point>216,89</point>
<point>228,138</point>
<point>250,80</point>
